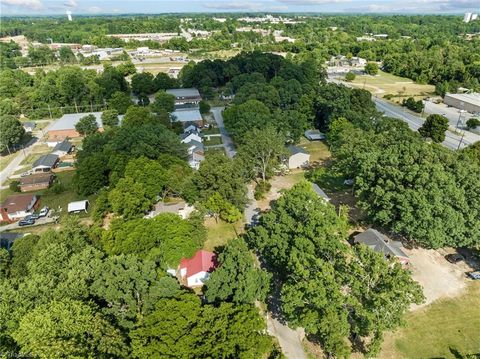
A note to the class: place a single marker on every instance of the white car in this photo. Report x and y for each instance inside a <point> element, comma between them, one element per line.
<point>43,212</point>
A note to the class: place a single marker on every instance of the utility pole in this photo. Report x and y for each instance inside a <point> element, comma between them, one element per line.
<point>461,140</point>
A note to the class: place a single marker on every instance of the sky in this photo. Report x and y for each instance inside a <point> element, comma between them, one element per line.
<point>49,7</point>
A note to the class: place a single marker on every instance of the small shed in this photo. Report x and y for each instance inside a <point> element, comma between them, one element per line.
<point>314,135</point>
<point>29,126</point>
<point>78,206</point>
<point>298,157</point>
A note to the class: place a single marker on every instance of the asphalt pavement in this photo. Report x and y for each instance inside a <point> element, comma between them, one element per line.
<point>226,139</point>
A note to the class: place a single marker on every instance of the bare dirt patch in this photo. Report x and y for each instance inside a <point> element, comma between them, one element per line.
<point>436,275</point>
<point>280,183</point>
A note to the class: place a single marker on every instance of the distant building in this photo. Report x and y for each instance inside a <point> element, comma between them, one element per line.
<point>469,101</point>
<point>180,208</point>
<point>195,271</point>
<point>69,15</point>
<point>36,182</point>
<point>18,206</point>
<point>64,127</point>
<point>382,244</point>
<point>189,96</point>
<point>298,157</point>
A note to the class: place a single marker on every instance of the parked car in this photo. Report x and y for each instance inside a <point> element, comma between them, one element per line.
<point>474,275</point>
<point>43,212</point>
<point>26,222</point>
<point>32,216</point>
<point>454,258</point>
<point>25,174</point>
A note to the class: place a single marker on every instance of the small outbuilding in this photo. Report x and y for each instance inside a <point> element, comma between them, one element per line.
<point>298,157</point>
<point>29,126</point>
<point>382,244</point>
<point>320,192</point>
<point>314,135</point>
<point>45,163</point>
<point>78,206</point>
<point>196,270</point>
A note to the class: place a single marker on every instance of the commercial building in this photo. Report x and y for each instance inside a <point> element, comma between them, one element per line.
<point>469,102</point>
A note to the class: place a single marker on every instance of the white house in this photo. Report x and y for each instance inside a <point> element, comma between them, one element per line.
<point>45,163</point>
<point>18,206</point>
<point>196,270</point>
<point>63,148</point>
<point>187,137</point>
<point>191,128</point>
<point>298,157</point>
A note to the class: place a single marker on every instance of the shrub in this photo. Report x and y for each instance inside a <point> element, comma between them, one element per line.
<point>473,123</point>
<point>14,186</point>
<point>350,76</point>
<point>262,189</point>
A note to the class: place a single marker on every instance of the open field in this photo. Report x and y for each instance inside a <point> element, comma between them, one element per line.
<point>318,150</point>
<point>385,83</point>
<point>444,329</point>
<point>218,234</point>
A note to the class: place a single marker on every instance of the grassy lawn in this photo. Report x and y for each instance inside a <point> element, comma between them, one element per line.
<point>215,149</point>
<point>210,131</point>
<point>5,160</point>
<point>440,330</point>
<point>385,83</point>
<point>217,140</point>
<point>318,150</point>
<point>218,234</point>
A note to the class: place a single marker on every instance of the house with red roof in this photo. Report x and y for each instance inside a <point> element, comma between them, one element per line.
<point>196,270</point>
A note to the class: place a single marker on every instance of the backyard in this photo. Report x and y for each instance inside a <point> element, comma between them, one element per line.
<point>218,234</point>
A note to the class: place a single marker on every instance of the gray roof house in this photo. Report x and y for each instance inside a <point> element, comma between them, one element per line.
<point>45,163</point>
<point>188,96</point>
<point>382,244</point>
<point>298,158</point>
<point>29,126</point>
<point>320,192</point>
<point>187,116</point>
<point>63,148</point>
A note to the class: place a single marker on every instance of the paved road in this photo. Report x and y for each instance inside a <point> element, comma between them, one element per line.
<point>226,139</point>
<point>289,339</point>
<point>452,140</point>
<point>21,154</point>
<point>38,222</point>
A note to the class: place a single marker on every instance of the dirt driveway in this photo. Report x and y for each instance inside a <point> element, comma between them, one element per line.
<point>438,277</point>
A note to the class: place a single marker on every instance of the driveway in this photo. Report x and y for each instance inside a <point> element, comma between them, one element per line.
<point>38,222</point>
<point>226,139</point>
<point>290,340</point>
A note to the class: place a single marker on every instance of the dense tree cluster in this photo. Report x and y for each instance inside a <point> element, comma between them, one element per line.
<point>423,191</point>
<point>335,291</point>
<point>63,297</point>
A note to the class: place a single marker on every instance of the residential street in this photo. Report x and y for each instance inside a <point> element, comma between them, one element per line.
<point>226,139</point>
<point>289,339</point>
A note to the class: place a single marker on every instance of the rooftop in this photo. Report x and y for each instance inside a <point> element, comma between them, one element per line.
<point>380,243</point>
<point>18,202</point>
<point>294,150</point>
<point>179,93</point>
<point>187,115</point>
<point>35,179</point>
<point>65,145</point>
<point>68,121</point>
<point>473,98</point>
<point>46,161</point>
<point>202,261</point>
<point>320,191</point>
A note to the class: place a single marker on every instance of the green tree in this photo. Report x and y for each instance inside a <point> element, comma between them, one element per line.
<point>218,173</point>
<point>236,279</point>
<point>129,198</point>
<point>127,68</point>
<point>371,68</point>
<point>261,151</point>
<point>87,125</point>
<point>434,127</point>
<point>110,118</point>
<point>136,116</point>
<point>120,101</point>
<point>473,123</point>
<point>66,55</point>
<point>241,119</point>
<point>11,132</point>
<point>142,83</point>
<point>204,107</point>
<point>164,82</point>
<point>164,101</point>
<point>67,328</point>
<point>350,76</point>
<point>23,250</point>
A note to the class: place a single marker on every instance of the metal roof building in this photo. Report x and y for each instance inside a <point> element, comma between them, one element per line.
<point>469,102</point>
